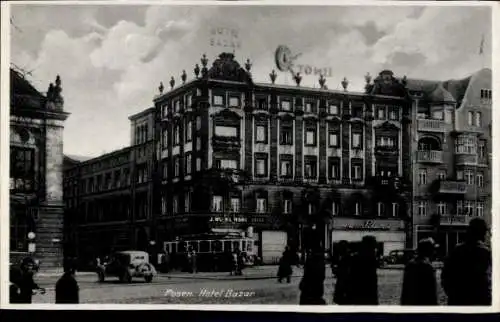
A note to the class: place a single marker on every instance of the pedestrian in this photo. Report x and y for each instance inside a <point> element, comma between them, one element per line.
<point>285,267</point>
<point>240,256</point>
<point>340,270</point>
<point>23,279</point>
<point>362,282</point>
<point>194,264</point>
<point>312,284</point>
<point>466,274</point>
<point>67,290</point>
<point>419,279</point>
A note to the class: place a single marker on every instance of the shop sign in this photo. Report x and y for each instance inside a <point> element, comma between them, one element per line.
<point>237,219</point>
<point>369,225</point>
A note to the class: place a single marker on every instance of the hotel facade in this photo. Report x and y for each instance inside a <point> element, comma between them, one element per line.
<point>282,165</point>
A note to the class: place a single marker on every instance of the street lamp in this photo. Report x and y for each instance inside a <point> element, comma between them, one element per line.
<point>31,243</point>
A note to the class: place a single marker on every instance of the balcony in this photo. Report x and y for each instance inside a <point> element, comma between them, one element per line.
<point>432,125</point>
<point>466,159</point>
<point>223,142</point>
<point>429,156</point>
<point>451,187</point>
<point>455,220</point>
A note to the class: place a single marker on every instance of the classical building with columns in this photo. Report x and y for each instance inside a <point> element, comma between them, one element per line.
<point>36,175</point>
<point>291,162</point>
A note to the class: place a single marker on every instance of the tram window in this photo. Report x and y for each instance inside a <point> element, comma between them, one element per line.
<point>236,245</point>
<point>194,245</point>
<point>249,247</point>
<point>217,246</point>
<point>182,247</point>
<point>227,246</point>
<point>204,246</point>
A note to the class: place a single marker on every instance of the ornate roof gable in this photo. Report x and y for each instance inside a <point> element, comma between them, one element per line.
<point>227,68</point>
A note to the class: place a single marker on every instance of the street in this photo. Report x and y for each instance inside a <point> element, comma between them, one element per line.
<point>258,286</point>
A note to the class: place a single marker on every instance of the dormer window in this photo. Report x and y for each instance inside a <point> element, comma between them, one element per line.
<point>234,101</point>
<point>308,108</point>
<point>333,109</point>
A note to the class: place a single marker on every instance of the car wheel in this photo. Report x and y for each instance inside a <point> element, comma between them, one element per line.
<point>148,278</point>
<point>100,277</point>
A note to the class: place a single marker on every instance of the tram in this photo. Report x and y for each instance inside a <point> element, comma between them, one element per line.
<point>214,251</point>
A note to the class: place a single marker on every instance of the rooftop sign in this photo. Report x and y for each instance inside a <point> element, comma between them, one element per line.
<point>285,62</point>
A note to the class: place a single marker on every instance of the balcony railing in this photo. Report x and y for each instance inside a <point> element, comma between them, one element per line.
<point>466,159</point>
<point>430,156</point>
<point>431,125</point>
<point>455,220</point>
<point>452,187</point>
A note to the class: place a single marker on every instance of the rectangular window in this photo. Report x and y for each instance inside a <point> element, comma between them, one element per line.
<point>442,208</point>
<point>287,206</point>
<point>442,175</point>
<point>334,169</point>
<point>478,119</point>
<point>198,164</point>
<point>226,131</point>
<point>333,139</point>
<point>187,202</point>
<point>356,172</point>
<point>165,170</point>
<point>448,116</point>
<point>285,105</point>
<point>380,209</point>
<point>235,204</point>
<point>310,137</point>
<point>460,175</point>
<point>310,169</point>
<point>260,167</point>
<point>335,208</point>
<point>394,114</point>
<point>177,106</point>
<point>437,115</point>
<point>286,168</point>
<point>177,134</point>
<point>261,136</point>
<point>356,140</point>
<point>176,167</point>
<point>198,123</point>
<point>480,209</point>
<point>163,205</point>
<point>261,205</point>
<point>308,108</point>
<point>175,205</point>
<point>188,131</point>
<point>22,169</point>
<point>198,144</point>
<point>234,101</point>
<point>333,109</point>
<point>218,100</point>
<point>189,100</point>
<point>164,139</point>
<point>217,203</point>
<point>226,164</point>
<point>395,209</point>
<point>358,209</point>
<point>286,135</point>
<point>470,118</point>
<point>480,180</point>
<point>469,177</point>
<point>188,164</point>
<point>460,207</point>
<point>422,176</point>
<point>482,148</point>
<point>422,208</point>
<point>469,208</point>
<point>381,110</point>
<point>262,103</point>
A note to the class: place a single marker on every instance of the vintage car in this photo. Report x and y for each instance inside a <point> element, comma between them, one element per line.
<point>127,264</point>
<point>400,256</point>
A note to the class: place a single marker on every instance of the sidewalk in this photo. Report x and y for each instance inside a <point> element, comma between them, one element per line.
<point>249,273</point>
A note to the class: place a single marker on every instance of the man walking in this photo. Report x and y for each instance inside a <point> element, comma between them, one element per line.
<point>419,281</point>
<point>466,275</point>
<point>67,290</point>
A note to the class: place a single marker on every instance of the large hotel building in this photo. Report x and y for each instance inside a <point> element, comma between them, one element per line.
<point>221,154</point>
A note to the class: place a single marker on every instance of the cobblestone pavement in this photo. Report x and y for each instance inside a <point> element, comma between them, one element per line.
<point>257,288</point>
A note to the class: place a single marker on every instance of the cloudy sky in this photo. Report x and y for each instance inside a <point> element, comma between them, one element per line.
<point>112,58</point>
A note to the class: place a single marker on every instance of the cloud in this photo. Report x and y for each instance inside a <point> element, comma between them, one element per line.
<point>112,58</point>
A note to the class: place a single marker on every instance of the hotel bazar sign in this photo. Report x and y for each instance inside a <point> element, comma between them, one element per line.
<point>356,224</point>
<point>285,62</point>
<point>236,219</point>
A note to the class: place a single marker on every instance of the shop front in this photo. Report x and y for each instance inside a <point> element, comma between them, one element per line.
<point>390,233</point>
